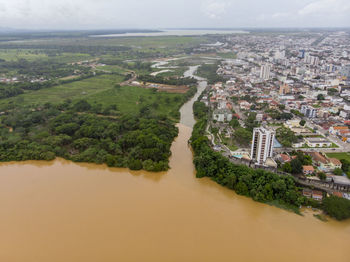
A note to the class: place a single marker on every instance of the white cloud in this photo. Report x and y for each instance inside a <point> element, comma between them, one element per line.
<point>215,9</point>
<point>326,7</point>
<point>280,15</point>
<point>93,14</point>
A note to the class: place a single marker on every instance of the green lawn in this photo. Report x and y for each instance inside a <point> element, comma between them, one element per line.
<point>129,99</point>
<point>339,155</point>
<point>101,90</point>
<point>15,54</point>
<point>112,68</point>
<point>37,54</point>
<point>229,55</point>
<point>57,94</point>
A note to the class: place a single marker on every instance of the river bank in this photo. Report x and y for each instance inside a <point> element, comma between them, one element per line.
<point>62,211</point>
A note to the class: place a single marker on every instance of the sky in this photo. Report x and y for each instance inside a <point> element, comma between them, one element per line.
<point>158,14</point>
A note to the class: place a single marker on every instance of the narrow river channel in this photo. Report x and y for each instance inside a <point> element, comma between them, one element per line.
<point>60,211</point>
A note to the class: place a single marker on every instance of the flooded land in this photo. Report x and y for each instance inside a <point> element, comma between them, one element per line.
<point>62,211</point>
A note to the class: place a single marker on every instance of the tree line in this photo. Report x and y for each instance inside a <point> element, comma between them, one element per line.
<point>168,80</point>
<point>138,142</point>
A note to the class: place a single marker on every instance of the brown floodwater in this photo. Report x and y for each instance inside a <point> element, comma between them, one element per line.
<point>60,211</point>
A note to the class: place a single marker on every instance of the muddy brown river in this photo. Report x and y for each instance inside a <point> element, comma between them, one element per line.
<point>60,211</point>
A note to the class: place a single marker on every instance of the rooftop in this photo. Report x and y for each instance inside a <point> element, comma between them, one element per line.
<point>342,180</point>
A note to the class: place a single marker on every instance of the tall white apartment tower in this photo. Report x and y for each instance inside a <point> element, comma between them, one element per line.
<point>265,72</point>
<point>262,146</point>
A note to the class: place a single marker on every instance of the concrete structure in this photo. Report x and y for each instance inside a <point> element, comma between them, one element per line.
<point>312,60</point>
<point>262,146</point>
<point>309,111</point>
<point>317,142</point>
<point>265,72</point>
<point>292,123</point>
<point>345,71</point>
<point>284,89</point>
<point>222,115</point>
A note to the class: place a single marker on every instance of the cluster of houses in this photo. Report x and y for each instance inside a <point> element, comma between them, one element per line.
<point>320,163</point>
<point>286,77</point>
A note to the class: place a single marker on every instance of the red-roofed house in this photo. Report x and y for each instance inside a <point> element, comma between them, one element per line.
<point>308,170</point>
<point>335,130</point>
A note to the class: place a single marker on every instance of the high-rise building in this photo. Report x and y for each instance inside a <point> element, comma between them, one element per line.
<point>262,146</point>
<point>309,111</point>
<point>265,72</point>
<point>310,59</point>
<point>301,54</point>
<point>280,54</point>
<point>284,89</point>
<point>345,71</point>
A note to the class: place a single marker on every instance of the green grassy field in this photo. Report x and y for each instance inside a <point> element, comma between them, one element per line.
<point>339,155</point>
<point>129,99</point>
<point>112,68</point>
<point>140,46</point>
<point>37,54</point>
<point>144,42</point>
<point>57,94</point>
<point>227,55</point>
<point>101,90</point>
<point>15,54</point>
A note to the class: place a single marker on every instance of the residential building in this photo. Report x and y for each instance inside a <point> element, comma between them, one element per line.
<point>308,170</point>
<point>222,115</point>
<point>284,89</point>
<point>309,111</point>
<point>265,72</point>
<point>324,163</point>
<point>317,195</point>
<point>335,130</point>
<point>262,145</point>
<point>345,71</point>
<point>317,142</point>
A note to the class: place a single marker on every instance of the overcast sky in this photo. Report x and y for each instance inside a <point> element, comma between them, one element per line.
<point>114,14</point>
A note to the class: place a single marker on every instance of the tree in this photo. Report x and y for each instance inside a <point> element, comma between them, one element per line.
<point>302,122</point>
<point>320,97</point>
<point>322,175</point>
<point>243,136</point>
<point>82,106</point>
<point>281,107</point>
<point>297,166</point>
<point>241,188</point>
<point>332,91</point>
<point>287,168</point>
<point>286,136</point>
<point>234,123</point>
<point>336,207</point>
<point>338,172</point>
<point>345,165</point>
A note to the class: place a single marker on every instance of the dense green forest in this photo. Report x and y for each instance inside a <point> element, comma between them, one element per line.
<point>168,81</point>
<point>208,71</point>
<point>258,184</point>
<point>336,207</point>
<point>139,142</point>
